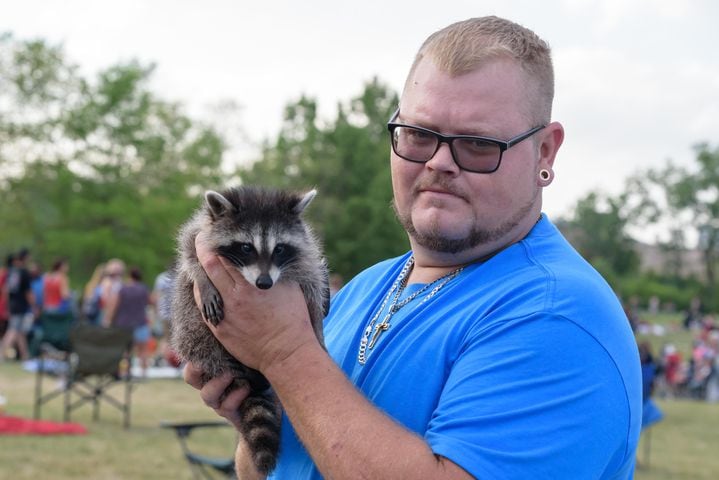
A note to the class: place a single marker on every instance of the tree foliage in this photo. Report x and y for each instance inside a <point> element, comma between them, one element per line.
<point>688,199</point>
<point>347,160</point>
<point>95,168</point>
<point>598,231</point>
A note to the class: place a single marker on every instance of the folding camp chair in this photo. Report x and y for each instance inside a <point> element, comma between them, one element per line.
<point>93,363</point>
<point>202,465</point>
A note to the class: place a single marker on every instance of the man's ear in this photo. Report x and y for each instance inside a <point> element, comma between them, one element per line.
<point>551,138</point>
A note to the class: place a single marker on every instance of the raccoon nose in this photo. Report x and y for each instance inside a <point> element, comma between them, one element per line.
<point>264,281</point>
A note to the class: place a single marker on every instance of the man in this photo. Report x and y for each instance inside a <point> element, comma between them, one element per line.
<point>491,350</point>
<point>21,306</point>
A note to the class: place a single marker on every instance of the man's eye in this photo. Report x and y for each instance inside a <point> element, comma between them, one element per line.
<point>418,136</point>
<point>478,146</point>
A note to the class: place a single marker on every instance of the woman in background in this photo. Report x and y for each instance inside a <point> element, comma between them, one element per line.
<point>127,308</point>
<point>91,304</point>
<point>56,295</point>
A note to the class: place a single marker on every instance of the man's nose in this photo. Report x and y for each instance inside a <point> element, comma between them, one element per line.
<point>443,160</point>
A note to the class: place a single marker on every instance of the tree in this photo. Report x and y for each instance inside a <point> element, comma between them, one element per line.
<point>94,169</point>
<point>347,160</point>
<point>598,231</point>
<point>688,199</point>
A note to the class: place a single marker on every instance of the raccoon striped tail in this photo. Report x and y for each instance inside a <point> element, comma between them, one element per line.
<point>260,420</point>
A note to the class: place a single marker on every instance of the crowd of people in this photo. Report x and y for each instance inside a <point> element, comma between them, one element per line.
<point>680,370</point>
<point>697,374</point>
<point>33,302</point>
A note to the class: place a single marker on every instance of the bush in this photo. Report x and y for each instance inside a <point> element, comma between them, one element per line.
<point>644,287</point>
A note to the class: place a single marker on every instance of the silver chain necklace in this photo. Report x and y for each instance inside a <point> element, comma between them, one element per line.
<point>397,288</point>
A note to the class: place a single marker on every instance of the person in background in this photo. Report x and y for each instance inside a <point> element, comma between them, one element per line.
<point>161,300</point>
<point>91,301</point>
<point>4,314</point>
<point>34,336</point>
<point>21,307</point>
<point>651,413</point>
<point>57,297</point>
<point>110,284</point>
<point>127,308</point>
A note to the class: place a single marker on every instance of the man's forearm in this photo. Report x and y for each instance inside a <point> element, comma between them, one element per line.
<point>244,466</point>
<point>347,436</point>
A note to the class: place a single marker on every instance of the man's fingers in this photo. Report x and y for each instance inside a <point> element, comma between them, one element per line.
<point>229,408</point>
<point>212,391</point>
<point>215,395</point>
<point>212,263</point>
<point>192,376</point>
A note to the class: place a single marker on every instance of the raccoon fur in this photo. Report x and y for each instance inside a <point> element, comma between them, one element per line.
<point>262,233</point>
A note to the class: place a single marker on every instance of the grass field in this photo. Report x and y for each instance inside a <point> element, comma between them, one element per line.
<point>684,446</point>
<point>108,452</point>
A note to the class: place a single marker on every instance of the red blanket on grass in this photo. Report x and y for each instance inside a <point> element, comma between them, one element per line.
<point>26,426</point>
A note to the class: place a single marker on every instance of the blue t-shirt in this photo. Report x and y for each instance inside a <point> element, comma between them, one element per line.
<point>523,366</point>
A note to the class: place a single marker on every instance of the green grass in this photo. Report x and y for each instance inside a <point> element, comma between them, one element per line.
<point>145,451</point>
<point>684,445</point>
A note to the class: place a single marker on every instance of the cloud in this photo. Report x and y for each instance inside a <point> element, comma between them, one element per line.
<point>626,112</point>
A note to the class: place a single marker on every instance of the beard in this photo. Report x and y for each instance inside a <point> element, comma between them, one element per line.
<point>434,239</point>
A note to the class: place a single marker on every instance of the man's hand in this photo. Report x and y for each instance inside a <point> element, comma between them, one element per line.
<point>260,327</point>
<point>212,393</point>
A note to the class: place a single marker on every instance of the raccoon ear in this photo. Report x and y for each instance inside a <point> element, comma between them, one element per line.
<point>300,207</point>
<point>217,203</point>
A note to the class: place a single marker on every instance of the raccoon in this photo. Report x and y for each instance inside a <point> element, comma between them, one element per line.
<point>262,233</point>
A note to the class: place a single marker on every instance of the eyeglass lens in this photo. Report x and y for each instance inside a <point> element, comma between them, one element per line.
<point>420,146</point>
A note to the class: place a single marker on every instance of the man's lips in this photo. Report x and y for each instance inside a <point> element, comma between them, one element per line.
<point>438,192</point>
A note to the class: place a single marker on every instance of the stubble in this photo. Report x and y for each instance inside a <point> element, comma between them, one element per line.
<point>434,239</point>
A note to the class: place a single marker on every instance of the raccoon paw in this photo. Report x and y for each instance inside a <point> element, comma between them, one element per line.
<point>212,307</point>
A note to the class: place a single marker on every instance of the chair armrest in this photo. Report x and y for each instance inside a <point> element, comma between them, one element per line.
<point>183,429</point>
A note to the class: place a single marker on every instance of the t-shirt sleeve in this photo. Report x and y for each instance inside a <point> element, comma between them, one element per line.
<point>536,397</point>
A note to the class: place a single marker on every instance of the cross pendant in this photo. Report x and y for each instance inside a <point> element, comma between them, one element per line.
<point>378,329</point>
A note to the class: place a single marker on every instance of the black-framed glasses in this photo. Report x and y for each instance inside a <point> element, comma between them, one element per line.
<point>470,153</point>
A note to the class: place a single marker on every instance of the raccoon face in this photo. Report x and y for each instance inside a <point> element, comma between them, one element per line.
<point>259,231</point>
<point>260,266</point>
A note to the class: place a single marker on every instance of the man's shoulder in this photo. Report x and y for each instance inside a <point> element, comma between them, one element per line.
<point>548,259</point>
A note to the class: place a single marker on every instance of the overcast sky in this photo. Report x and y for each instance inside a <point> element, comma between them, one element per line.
<point>637,81</point>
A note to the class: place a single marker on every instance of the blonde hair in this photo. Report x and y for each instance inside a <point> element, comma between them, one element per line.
<point>94,281</point>
<point>467,45</point>
<point>115,266</point>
